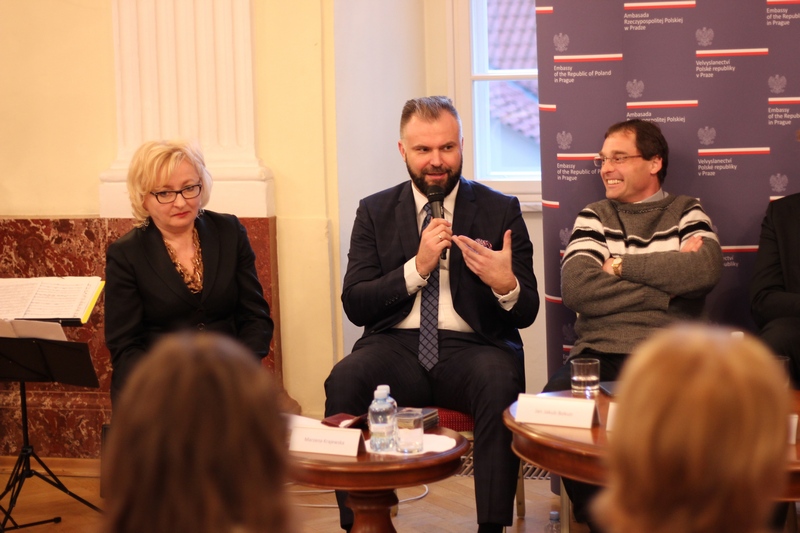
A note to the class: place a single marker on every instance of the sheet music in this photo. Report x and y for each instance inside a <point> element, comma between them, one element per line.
<point>48,297</point>
<point>61,298</point>
<point>16,296</point>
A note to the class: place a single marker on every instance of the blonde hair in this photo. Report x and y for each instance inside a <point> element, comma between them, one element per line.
<point>197,443</point>
<point>152,165</point>
<point>699,443</point>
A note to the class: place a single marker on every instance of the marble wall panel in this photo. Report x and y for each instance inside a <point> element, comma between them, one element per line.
<point>63,420</point>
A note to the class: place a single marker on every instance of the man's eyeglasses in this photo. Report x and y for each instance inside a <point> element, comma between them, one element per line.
<point>616,159</point>
<point>188,192</point>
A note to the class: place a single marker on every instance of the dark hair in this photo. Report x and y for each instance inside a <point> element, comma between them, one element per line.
<point>197,443</point>
<point>428,108</point>
<point>649,141</point>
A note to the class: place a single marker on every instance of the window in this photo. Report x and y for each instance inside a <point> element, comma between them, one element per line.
<point>496,77</point>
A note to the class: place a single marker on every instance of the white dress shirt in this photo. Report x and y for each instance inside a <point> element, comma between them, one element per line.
<point>449,319</point>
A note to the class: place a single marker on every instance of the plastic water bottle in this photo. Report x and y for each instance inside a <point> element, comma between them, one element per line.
<point>388,397</point>
<point>394,404</point>
<point>381,422</point>
<point>554,526</point>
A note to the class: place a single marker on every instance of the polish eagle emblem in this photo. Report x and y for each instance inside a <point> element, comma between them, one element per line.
<point>706,135</point>
<point>704,36</point>
<point>635,88</point>
<point>564,236</point>
<point>778,182</point>
<point>564,140</point>
<point>561,42</point>
<point>777,84</point>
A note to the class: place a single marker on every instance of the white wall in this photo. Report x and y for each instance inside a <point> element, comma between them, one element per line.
<point>380,63</point>
<point>534,337</point>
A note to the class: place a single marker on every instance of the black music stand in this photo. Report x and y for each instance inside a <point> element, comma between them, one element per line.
<point>24,360</point>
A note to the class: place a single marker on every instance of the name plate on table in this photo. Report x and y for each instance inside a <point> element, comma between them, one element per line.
<point>556,411</point>
<point>327,440</point>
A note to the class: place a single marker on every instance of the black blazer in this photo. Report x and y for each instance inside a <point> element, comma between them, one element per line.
<point>385,236</point>
<point>775,287</point>
<point>146,297</point>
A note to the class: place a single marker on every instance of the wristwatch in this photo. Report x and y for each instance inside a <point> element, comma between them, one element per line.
<point>616,264</point>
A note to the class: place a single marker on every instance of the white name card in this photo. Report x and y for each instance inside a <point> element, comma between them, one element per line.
<point>327,440</point>
<point>556,411</point>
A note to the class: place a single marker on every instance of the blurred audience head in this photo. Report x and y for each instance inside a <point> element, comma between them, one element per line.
<point>699,440</point>
<point>151,167</point>
<point>197,443</point>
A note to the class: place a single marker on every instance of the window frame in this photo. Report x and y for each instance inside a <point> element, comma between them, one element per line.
<point>529,191</point>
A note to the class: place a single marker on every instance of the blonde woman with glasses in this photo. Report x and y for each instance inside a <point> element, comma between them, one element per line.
<point>182,267</point>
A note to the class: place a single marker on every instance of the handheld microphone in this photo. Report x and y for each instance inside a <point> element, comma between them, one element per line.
<point>436,201</point>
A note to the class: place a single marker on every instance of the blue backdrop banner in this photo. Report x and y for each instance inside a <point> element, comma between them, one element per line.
<point>721,79</point>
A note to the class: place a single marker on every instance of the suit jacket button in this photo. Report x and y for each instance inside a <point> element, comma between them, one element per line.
<point>200,326</point>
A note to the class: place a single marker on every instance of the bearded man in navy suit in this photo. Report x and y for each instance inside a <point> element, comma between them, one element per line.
<point>482,257</point>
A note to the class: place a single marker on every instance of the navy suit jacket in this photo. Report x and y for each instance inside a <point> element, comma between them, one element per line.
<point>385,236</point>
<point>146,297</point>
<point>775,287</point>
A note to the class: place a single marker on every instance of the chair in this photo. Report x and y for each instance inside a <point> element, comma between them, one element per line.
<point>465,424</point>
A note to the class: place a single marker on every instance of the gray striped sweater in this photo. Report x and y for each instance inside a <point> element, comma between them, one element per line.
<point>659,284</point>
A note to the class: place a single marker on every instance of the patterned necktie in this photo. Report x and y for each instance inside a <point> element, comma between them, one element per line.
<point>429,313</point>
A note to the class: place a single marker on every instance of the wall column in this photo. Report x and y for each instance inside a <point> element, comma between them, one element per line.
<point>184,69</point>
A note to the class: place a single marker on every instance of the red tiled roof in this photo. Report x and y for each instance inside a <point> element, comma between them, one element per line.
<point>512,45</point>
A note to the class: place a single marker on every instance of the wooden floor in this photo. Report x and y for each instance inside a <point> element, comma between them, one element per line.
<point>448,507</point>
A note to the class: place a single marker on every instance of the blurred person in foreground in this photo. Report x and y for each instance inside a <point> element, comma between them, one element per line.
<point>182,267</point>
<point>198,443</point>
<point>699,440</point>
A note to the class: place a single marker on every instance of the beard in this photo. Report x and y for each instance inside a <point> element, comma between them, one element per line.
<point>453,175</point>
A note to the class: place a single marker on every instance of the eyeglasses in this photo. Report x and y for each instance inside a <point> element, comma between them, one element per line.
<point>616,159</point>
<point>188,192</point>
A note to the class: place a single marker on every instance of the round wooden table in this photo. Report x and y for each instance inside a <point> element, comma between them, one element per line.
<point>580,453</point>
<point>371,478</point>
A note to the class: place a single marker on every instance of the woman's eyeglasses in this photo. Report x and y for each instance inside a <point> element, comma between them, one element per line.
<point>188,192</point>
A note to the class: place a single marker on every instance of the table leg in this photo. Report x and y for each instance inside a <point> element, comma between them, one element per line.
<point>371,510</point>
<point>566,509</point>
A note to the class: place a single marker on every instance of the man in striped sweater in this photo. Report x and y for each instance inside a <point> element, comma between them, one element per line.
<point>637,261</point>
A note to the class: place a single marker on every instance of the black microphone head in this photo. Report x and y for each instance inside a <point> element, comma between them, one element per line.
<point>436,201</point>
<point>435,194</point>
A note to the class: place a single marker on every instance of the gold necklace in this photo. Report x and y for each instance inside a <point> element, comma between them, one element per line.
<point>193,280</point>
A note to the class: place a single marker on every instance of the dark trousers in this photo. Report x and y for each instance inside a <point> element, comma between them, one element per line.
<point>581,494</point>
<point>470,376</point>
<point>783,336</point>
